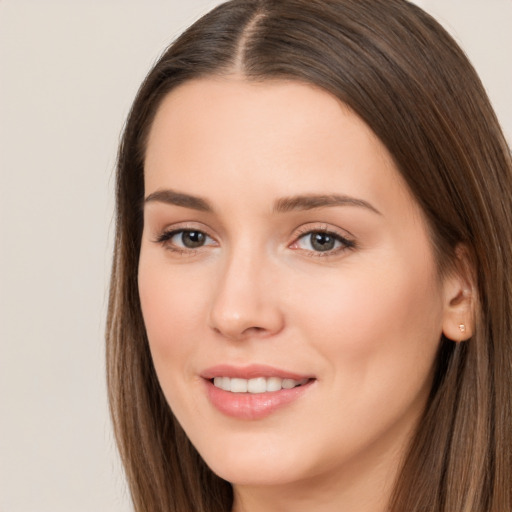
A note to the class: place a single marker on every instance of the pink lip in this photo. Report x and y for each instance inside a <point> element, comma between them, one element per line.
<point>250,372</point>
<point>249,406</point>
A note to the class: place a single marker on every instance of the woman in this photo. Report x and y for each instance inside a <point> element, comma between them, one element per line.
<point>311,295</point>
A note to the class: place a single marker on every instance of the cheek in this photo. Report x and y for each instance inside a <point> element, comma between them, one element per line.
<point>380,325</point>
<point>172,309</point>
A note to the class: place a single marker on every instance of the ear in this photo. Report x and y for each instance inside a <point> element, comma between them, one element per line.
<point>459,298</point>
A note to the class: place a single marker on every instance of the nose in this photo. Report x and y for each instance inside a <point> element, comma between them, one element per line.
<point>245,302</point>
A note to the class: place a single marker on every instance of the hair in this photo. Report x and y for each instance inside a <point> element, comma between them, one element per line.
<point>400,71</point>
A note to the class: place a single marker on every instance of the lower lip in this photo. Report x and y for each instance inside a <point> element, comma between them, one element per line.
<point>253,406</point>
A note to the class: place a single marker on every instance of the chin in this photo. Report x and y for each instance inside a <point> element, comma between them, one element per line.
<point>255,465</point>
<point>242,474</point>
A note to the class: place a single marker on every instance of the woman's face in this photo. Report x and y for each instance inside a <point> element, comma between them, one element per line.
<point>287,281</point>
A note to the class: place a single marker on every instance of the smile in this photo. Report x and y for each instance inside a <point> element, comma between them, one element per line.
<point>254,392</point>
<point>256,385</point>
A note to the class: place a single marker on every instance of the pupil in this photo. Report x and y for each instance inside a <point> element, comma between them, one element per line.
<point>322,242</point>
<point>193,239</point>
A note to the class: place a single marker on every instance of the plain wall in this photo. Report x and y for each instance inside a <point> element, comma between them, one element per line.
<point>68,73</point>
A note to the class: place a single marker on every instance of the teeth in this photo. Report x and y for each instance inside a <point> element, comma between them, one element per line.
<point>257,385</point>
<point>226,383</point>
<point>288,383</point>
<point>239,385</point>
<point>274,383</point>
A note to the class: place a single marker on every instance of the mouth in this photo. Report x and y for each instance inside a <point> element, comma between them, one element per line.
<point>254,392</point>
<point>256,385</point>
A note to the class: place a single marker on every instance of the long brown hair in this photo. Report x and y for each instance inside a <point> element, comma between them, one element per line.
<point>410,82</point>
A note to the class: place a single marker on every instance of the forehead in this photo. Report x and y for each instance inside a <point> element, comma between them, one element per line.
<point>264,110</point>
<point>277,137</point>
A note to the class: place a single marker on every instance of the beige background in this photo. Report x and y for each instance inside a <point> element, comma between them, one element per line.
<point>68,72</point>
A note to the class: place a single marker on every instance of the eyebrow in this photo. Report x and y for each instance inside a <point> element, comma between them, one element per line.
<point>283,205</point>
<point>312,201</point>
<point>179,199</point>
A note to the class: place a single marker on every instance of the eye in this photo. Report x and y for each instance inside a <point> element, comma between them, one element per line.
<point>322,241</point>
<point>183,239</point>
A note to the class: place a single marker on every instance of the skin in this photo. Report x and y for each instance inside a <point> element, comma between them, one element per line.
<point>364,319</point>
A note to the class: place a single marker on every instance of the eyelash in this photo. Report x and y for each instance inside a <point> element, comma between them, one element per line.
<point>165,238</point>
<point>345,243</point>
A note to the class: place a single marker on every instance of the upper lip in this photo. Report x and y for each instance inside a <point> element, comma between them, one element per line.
<point>250,372</point>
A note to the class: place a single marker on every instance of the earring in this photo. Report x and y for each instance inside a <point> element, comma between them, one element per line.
<point>462,328</point>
